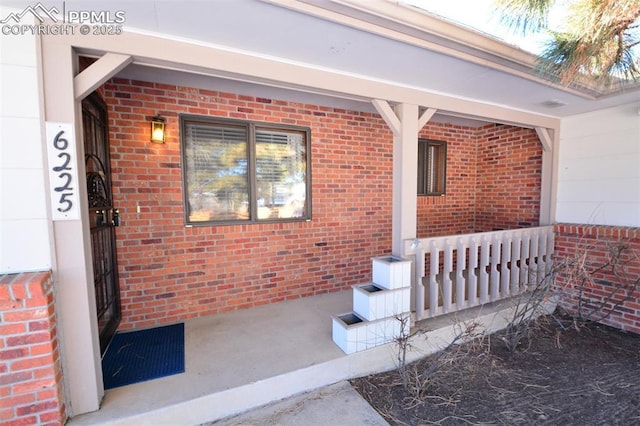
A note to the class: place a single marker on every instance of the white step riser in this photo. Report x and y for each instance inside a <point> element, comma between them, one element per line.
<point>364,335</point>
<point>391,272</point>
<point>379,307</point>
<point>373,305</point>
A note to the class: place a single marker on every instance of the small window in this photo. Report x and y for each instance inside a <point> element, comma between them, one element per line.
<point>432,167</point>
<point>236,171</point>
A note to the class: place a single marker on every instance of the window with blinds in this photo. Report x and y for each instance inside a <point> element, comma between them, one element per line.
<point>281,170</point>
<point>432,167</point>
<point>235,171</point>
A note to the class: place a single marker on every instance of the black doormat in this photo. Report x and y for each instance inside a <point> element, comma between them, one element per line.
<point>138,356</point>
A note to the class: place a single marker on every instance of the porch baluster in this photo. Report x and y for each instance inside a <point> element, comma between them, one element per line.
<point>446,277</point>
<point>484,275</point>
<point>472,273</point>
<point>550,245</point>
<point>460,281</point>
<point>542,257</point>
<point>504,265</point>
<point>420,290</point>
<point>524,261</point>
<point>433,281</point>
<point>533,262</point>
<point>516,260</point>
<point>495,273</point>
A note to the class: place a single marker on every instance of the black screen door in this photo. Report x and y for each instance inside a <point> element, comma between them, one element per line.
<point>103,217</point>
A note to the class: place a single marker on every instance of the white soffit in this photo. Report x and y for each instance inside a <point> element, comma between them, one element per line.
<point>201,81</point>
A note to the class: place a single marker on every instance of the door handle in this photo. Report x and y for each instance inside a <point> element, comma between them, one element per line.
<point>100,217</point>
<point>115,217</point>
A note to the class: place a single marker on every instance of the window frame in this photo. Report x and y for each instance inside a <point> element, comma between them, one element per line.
<point>423,165</point>
<point>251,127</point>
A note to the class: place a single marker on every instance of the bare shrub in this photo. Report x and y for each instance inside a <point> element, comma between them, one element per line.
<point>403,343</point>
<point>528,307</point>
<point>598,281</point>
<point>417,378</point>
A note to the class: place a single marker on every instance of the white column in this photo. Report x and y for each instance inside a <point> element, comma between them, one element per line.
<point>75,295</point>
<point>405,177</point>
<point>549,182</point>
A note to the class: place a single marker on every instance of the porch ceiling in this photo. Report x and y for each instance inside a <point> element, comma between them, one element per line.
<point>343,35</point>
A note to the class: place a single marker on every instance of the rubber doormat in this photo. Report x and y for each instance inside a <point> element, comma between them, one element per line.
<point>138,356</point>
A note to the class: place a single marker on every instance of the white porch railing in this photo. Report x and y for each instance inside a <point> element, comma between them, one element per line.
<point>468,270</point>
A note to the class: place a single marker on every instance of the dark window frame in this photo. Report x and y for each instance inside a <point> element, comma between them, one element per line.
<point>424,182</point>
<point>251,128</point>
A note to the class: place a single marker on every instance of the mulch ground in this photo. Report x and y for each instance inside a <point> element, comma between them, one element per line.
<point>587,374</point>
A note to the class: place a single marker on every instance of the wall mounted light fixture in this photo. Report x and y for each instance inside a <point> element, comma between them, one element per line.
<point>157,129</point>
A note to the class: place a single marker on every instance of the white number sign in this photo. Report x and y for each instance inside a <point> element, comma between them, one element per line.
<point>63,175</point>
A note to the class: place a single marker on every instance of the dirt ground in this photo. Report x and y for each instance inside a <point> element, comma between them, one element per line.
<point>562,375</point>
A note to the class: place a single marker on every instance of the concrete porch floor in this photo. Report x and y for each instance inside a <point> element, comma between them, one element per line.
<point>241,360</point>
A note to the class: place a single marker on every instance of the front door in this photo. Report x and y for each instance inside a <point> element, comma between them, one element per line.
<point>103,217</point>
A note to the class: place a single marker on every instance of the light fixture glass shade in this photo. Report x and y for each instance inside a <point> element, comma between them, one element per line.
<point>157,129</point>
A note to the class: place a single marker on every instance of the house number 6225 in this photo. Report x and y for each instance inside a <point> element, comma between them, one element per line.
<point>65,190</point>
<point>62,171</point>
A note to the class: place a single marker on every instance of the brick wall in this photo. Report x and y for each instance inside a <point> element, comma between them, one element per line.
<point>598,248</point>
<point>493,181</point>
<point>509,178</point>
<point>30,371</point>
<point>454,212</point>
<point>169,272</point>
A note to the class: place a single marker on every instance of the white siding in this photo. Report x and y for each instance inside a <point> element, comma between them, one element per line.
<point>599,168</point>
<point>24,223</point>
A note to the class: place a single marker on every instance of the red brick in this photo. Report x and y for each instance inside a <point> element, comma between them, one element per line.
<point>46,394</point>
<point>37,302</point>
<point>17,400</point>
<point>53,417</point>
<point>24,421</point>
<point>36,408</point>
<point>31,363</point>
<point>42,349</point>
<point>28,339</point>
<point>10,304</point>
<point>4,293</point>
<point>39,325</point>
<point>6,414</point>
<point>18,377</point>
<point>20,316</point>
<point>5,390</point>
<point>9,329</point>
<point>10,354</point>
<point>33,385</point>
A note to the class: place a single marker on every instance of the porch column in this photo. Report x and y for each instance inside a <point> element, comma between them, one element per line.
<point>549,139</point>
<point>403,121</point>
<point>74,292</point>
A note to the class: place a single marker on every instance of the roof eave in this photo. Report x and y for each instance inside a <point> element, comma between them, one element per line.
<point>429,31</point>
